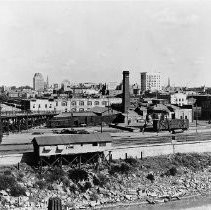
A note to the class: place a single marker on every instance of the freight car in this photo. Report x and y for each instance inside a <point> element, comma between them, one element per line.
<point>170,125</point>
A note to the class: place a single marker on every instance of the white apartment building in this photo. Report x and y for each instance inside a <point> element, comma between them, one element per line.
<point>179,98</point>
<point>150,81</point>
<point>71,105</point>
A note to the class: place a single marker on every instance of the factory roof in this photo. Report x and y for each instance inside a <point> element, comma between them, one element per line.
<point>72,139</point>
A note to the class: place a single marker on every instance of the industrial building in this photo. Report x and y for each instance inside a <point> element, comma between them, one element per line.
<point>59,149</point>
<point>68,105</point>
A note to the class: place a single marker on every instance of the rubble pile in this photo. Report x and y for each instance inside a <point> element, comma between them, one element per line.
<point>134,181</point>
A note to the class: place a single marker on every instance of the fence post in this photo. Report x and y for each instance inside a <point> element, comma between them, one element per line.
<point>125,156</point>
<point>55,204</point>
<point>141,155</point>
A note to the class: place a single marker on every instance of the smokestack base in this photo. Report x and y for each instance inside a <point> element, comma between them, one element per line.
<point>126,92</point>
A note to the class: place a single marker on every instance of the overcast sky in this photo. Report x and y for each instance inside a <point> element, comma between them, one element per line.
<point>94,41</point>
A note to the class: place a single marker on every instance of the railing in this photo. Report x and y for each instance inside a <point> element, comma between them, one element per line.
<point>14,113</point>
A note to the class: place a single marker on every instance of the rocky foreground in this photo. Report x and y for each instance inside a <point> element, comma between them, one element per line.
<point>149,181</point>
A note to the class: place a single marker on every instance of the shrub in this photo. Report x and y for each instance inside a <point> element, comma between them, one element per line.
<point>73,188</point>
<point>77,175</point>
<point>41,184</point>
<point>88,185</point>
<point>85,187</point>
<point>94,196</point>
<point>7,172</point>
<point>65,181</point>
<point>7,182</point>
<point>54,174</point>
<point>100,180</point>
<point>151,177</point>
<point>123,168</point>
<point>20,176</point>
<point>173,171</point>
<point>132,161</point>
<point>17,190</point>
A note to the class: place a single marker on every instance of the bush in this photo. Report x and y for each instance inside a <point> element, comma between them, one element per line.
<point>123,168</point>
<point>94,196</point>
<point>132,161</point>
<point>20,176</point>
<point>173,171</point>
<point>151,177</point>
<point>73,188</point>
<point>86,186</point>
<point>17,190</point>
<point>65,181</point>
<point>54,174</point>
<point>7,182</point>
<point>41,184</point>
<point>7,172</point>
<point>100,180</point>
<point>77,175</point>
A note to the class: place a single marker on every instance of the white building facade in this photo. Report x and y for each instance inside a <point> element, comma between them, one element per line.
<point>179,99</point>
<point>150,81</point>
<point>71,105</point>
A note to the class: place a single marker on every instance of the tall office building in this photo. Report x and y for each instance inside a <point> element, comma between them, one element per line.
<point>150,81</point>
<point>38,82</point>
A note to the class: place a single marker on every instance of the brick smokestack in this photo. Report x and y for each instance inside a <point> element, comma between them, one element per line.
<point>126,92</point>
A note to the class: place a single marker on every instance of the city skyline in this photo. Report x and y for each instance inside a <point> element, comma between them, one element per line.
<point>96,41</point>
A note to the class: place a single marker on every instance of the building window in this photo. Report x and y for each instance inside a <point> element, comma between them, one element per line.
<point>39,106</point>
<point>81,109</point>
<point>102,144</point>
<point>186,117</point>
<point>33,106</point>
<point>180,117</point>
<point>73,109</point>
<point>56,103</point>
<point>46,105</point>
<point>81,103</point>
<point>104,103</point>
<point>50,106</point>
<point>64,103</point>
<point>94,144</point>
<point>97,103</point>
<point>65,109</point>
<point>89,103</point>
<point>73,103</point>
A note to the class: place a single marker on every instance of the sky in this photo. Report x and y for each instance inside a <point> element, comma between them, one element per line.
<point>94,41</point>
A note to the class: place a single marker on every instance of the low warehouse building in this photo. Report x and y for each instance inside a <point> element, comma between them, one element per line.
<point>60,148</point>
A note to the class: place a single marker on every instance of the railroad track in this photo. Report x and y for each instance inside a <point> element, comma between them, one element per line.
<point>161,139</point>
<point>118,142</point>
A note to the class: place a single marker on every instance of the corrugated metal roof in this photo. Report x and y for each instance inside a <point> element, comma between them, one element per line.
<point>72,139</point>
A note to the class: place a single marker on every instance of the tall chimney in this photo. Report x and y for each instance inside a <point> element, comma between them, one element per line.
<point>126,92</point>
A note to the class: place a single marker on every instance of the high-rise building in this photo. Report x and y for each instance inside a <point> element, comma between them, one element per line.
<point>38,82</point>
<point>150,81</point>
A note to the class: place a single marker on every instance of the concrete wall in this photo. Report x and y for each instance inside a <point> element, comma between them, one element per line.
<point>160,149</point>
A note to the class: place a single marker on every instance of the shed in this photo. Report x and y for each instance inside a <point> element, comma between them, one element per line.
<point>71,144</point>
